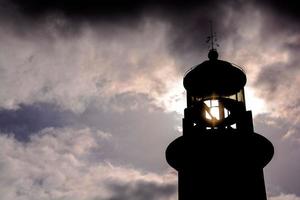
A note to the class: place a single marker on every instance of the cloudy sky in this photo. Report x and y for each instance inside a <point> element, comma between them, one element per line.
<point>91,92</point>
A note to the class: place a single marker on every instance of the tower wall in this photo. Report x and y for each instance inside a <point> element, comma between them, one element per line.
<point>225,164</point>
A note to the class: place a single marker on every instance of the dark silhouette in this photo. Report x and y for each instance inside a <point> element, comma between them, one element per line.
<point>219,155</point>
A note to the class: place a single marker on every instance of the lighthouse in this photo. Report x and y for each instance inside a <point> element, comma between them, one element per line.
<point>219,156</point>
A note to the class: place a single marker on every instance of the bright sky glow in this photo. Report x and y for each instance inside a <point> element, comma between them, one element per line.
<point>175,99</point>
<point>214,109</point>
<point>254,103</point>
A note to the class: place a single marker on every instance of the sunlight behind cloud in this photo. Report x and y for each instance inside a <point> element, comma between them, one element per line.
<point>254,103</point>
<point>174,100</point>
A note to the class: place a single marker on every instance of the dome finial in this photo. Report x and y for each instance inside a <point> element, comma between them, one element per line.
<point>213,54</point>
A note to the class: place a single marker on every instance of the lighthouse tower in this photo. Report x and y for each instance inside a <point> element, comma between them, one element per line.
<point>219,156</point>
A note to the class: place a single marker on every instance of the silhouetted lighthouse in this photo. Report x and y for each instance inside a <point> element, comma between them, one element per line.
<point>219,156</point>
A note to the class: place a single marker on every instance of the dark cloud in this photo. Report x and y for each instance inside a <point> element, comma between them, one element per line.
<point>77,12</point>
<point>271,77</point>
<point>91,8</point>
<point>94,8</point>
<point>69,16</point>
<point>278,82</point>
<point>120,11</point>
<point>142,190</point>
<point>188,20</point>
<point>277,76</point>
<point>287,8</point>
<point>29,119</point>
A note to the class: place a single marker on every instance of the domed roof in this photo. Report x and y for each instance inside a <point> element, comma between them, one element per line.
<point>216,77</point>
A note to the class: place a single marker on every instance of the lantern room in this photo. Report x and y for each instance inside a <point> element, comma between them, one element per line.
<point>215,94</point>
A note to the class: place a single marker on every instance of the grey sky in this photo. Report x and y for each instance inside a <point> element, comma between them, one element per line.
<point>91,93</point>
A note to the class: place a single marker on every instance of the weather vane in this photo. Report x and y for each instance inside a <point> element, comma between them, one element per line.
<point>212,38</point>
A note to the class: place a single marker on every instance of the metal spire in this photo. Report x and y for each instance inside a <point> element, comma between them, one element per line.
<point>212,38</point>
<point>212,54</point>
